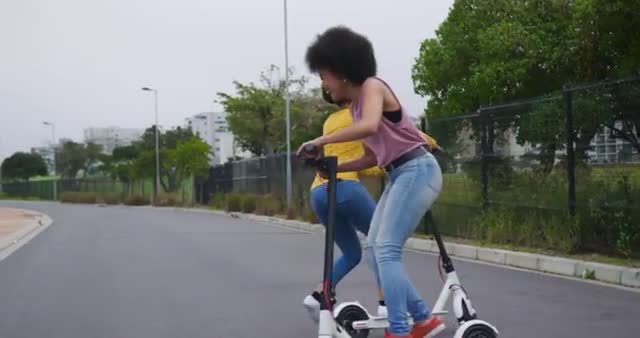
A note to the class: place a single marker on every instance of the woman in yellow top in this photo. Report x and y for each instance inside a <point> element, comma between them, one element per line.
<point>354,204</point>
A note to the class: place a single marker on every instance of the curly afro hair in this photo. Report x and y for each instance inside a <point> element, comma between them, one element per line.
<point>343,52</point>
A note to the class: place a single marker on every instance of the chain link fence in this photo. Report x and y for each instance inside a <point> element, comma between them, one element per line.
<point>101,187</point>
<point>561,172</point>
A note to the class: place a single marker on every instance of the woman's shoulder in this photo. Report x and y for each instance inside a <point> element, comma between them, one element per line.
<point>380,87</point>
<point>374,82</point>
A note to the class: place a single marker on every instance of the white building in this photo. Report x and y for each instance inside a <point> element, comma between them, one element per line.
<point>212,128</point>
<point>112,137</point>
<point>605,148</point>
<point>505,145</point>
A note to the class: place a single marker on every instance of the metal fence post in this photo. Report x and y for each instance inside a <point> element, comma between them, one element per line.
<point>569,131</point>
<point>484,158</point>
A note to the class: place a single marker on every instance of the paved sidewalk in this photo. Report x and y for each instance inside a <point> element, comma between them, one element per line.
<point>18,226</point>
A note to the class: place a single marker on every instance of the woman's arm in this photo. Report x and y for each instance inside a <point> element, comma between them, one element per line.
<point>367,160</point>
<point>372,106</point>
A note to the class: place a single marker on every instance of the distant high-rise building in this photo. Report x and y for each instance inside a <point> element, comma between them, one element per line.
<point>112,137</point>
<point>212,128</point>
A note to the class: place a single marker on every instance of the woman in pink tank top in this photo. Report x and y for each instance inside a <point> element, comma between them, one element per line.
<point>346,64</point>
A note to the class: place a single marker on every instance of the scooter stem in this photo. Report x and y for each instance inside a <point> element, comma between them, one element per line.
<point>331,165</point>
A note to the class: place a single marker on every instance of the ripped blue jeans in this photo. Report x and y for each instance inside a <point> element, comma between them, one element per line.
<point>411,191</point>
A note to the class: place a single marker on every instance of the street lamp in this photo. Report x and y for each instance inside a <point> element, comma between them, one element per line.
<point>53,156</point>
<point>287,102</point>
<point>155,95</point>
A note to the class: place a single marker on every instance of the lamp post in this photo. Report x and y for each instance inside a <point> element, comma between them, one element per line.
<point>287,103</point>
<point>155,95</point>
<point>53,156</point>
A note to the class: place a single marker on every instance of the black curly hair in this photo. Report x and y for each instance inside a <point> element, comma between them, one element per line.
<point>343,52</point>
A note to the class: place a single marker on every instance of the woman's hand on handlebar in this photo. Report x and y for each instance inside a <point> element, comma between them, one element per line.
<point>311,150</point>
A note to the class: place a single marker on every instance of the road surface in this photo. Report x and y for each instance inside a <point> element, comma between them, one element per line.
<point>118,272</point>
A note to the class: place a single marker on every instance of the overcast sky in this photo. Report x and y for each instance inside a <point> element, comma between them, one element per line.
<point>81,63</point>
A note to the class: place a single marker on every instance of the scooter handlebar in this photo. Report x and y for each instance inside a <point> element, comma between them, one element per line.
<point>310,148</point>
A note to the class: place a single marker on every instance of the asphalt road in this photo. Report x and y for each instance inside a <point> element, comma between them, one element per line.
<point>142,273</point>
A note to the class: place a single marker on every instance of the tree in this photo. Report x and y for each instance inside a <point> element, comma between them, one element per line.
<point>93,154</point>
<point>256,113</point>
<point>168,139</point>
<point>23,166</point>
<point>192,158</point>
<point>70,159</point>
<point>121,163</point>
<point>491,52</point>
<point>145,160</point>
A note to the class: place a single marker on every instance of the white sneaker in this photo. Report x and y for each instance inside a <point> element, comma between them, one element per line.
<point>382,311</point>
<point>313,307</point>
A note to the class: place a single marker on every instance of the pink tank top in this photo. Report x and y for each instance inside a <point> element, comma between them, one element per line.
<point>393,139</point>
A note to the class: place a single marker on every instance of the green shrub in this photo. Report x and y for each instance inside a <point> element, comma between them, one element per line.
<point>87,197</point>
<point>249,203</point>
<point>78,197</point>
<point>309,216</point>
<point>69,197</point>
<point>268,205</point>
<point>136,199</point>
<point>4,196</point>
<point>233,202</point>
<point>166,200</point>
<point>217,200</point>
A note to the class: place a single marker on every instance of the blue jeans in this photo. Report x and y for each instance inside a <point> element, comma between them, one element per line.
<point>412,189</point>
<point>354,209</point>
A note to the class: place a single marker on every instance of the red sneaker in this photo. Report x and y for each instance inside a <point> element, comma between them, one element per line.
<point>428,329</point>
<point>388,335</point>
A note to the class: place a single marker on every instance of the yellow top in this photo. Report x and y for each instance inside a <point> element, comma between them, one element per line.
<point>348,151</point>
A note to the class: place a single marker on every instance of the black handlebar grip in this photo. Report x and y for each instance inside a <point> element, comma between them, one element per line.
<point>310,149</point>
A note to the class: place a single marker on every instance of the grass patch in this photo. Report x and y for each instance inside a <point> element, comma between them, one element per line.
<point>593,257</point>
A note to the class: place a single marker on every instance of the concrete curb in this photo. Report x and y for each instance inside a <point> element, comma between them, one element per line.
<point>12,243</point>
<point>607,273</point>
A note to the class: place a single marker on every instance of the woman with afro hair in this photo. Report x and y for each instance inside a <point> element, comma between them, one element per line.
<point>346,64</point>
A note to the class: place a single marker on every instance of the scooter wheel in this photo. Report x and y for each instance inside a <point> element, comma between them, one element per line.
<point>350,314</point>
<point>479,331</point>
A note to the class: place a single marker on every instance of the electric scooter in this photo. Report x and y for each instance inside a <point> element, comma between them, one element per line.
<point>351,319</point>
<point>357,321</point>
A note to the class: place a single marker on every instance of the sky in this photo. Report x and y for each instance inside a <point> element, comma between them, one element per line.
<point>81,63</point>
